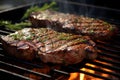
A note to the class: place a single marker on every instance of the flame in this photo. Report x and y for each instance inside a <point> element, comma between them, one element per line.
<point>82,76</point>
<point>74,76</point>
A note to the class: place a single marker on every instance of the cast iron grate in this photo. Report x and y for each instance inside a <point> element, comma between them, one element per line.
<point>108,58</point>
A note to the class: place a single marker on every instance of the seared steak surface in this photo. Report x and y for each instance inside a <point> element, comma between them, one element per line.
<point>95,28</point>
<point>49,46</point>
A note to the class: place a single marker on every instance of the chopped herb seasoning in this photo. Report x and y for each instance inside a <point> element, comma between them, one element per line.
<point>83,40</point>
<point>111,28</point>
<point>16,36</point>
<point>91,31</point>
<point>64,36</point>
<point>105,23</point>
<point>28,38</point>
<point>76,20</point>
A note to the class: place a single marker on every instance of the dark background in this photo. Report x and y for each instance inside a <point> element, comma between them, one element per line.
<point>104,3</point>
<point>15,15</point>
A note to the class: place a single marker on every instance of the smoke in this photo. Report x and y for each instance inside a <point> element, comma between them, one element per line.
<point>88,8</point>
<point>81,7</point>
<point>65,6</point>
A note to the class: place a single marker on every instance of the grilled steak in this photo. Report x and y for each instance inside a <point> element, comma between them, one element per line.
<point>95,28</point>
<point>49,46</point>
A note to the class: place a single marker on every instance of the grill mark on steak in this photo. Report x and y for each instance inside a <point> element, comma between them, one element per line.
<point>13,43</point>
<point>22,45</point>
<point>45,33</point>
<point>67,44</point>
<point>55,43</point>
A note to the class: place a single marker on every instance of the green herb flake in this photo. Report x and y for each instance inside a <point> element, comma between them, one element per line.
<point>16,36</point>
<point>76,20</point>
<point>83,40</point>
<point>105,23</point>
<point>91,31</point>
<point>64,36</point>
<point>28,38</point>
<point>111,28</point>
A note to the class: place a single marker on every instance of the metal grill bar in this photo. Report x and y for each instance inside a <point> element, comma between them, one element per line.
<point>24,69</point>
<point>20,61</point>
<point>31,64</point>
<point>108,61</point>
<point>4,32</point>
<point>109,55</point>
<point>102,71</point>
<point>106,66</point>
<point>61,72</point>
<point>11,75</point>
<point>111,45</point>
<point>108,49</point>
<point>91,73</point>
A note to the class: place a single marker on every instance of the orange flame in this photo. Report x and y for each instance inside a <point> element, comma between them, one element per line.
<point>74,76</point>
<point>82,76</point>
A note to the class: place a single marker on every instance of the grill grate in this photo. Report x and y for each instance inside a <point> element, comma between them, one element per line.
<point>108,58</point>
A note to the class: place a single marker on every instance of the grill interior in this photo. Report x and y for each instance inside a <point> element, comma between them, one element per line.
<point>107,62</point>
<point>108,58</point>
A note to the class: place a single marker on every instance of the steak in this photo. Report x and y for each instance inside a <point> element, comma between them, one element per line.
<point>95,28</point>
<point>49,45</point>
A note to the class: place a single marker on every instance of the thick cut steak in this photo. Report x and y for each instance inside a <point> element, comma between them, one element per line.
<point>49,46</point>
<point>95,28</point>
